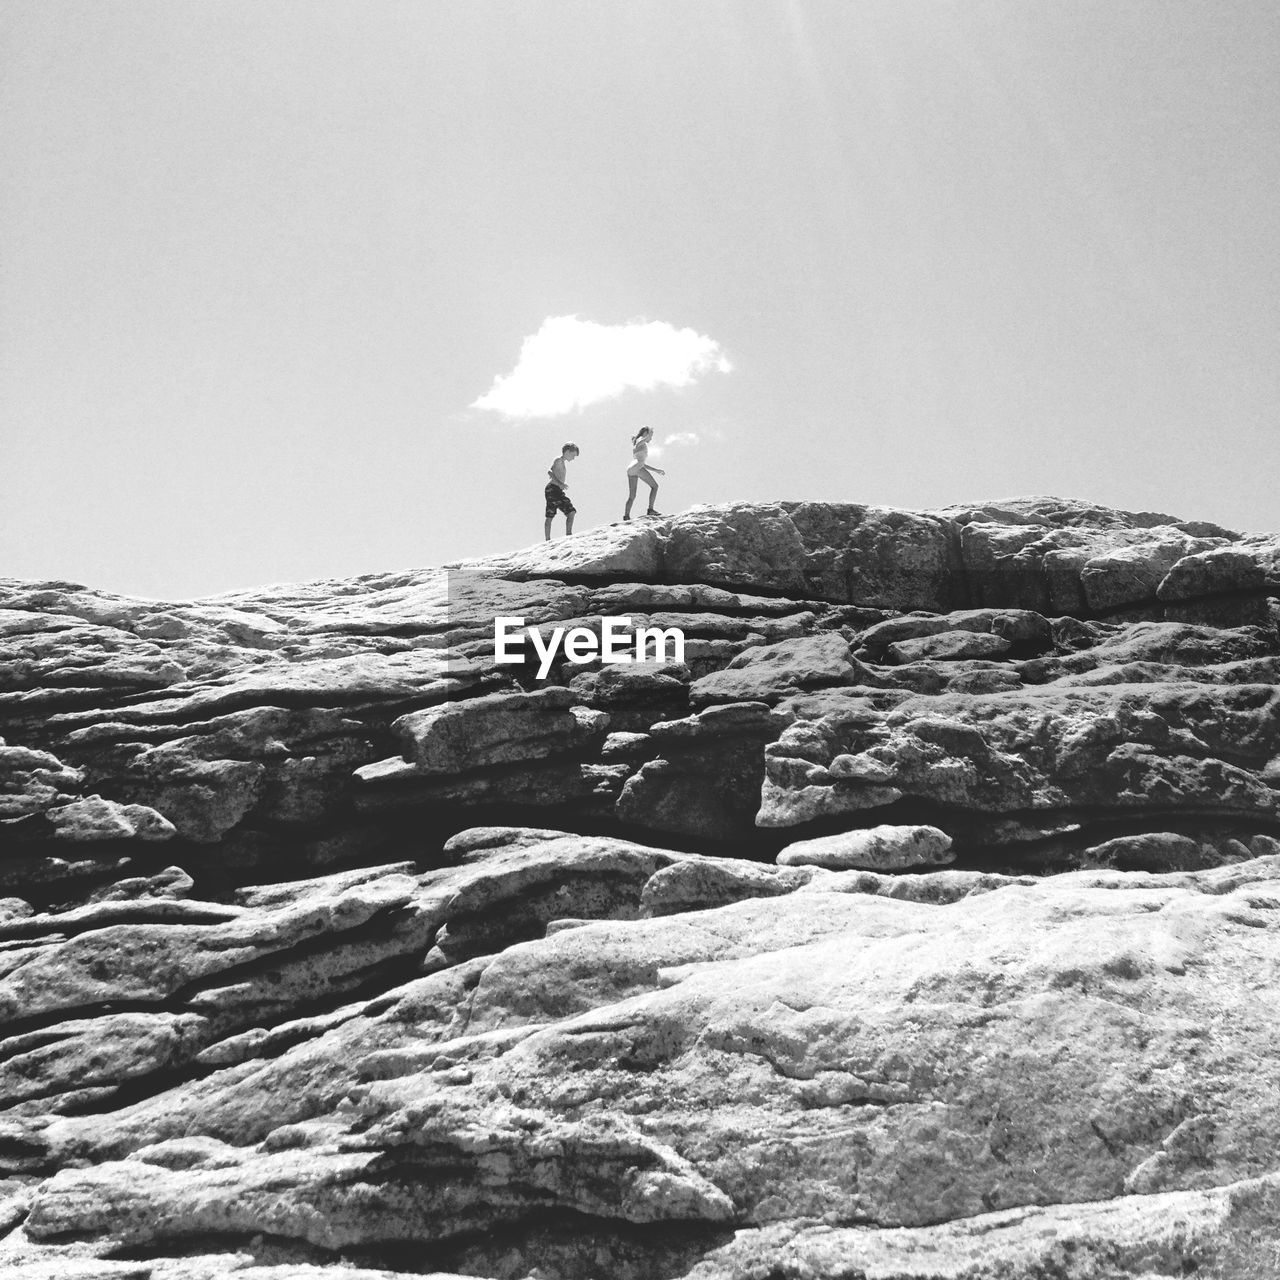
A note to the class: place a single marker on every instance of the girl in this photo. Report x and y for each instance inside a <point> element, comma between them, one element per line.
<point>641,470</point>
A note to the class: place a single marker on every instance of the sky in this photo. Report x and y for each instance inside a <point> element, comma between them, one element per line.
<point>296,289</point>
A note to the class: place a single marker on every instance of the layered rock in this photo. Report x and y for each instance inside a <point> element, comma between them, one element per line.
<point>915,1061</point>
<point>917,919</point>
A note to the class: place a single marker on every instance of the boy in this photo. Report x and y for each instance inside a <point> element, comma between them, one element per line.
<point>557,498</point>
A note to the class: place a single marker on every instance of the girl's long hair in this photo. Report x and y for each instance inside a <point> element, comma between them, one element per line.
<point>644,431</point>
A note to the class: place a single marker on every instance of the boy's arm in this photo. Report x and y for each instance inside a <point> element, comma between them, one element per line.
<point>557,473</point>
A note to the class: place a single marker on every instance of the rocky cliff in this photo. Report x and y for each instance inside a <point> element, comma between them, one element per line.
<point>922,921</point>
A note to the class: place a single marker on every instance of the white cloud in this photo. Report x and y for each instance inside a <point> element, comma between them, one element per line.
<point>683,438</point>
<point>571,363</point>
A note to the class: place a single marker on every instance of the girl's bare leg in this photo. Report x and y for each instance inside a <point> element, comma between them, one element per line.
<point>653,488</point>
<point>631,496</point>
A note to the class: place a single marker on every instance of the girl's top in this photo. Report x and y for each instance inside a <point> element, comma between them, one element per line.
<point>641,451</point>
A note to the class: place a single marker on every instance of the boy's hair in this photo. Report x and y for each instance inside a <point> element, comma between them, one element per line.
<point>568,444</point>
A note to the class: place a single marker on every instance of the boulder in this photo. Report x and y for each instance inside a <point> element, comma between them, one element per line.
<point>882,848</point>
<point>1150,851</point>
<point>705,775</point>
<point>1114,748</point>
<point>1129,574</point>
<point>949,646</point>
<point>94,818</point>
<point>1217,571</point>
<point>635,695</point>
<point>33,781</point>
<point>770,672</point>
<point>497,729</point>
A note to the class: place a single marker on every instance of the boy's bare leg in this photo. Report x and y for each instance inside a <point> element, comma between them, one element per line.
<point>568,524</point>
<point>546,531</point>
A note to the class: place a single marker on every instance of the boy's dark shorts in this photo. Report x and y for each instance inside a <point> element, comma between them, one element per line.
<point>558,500</point>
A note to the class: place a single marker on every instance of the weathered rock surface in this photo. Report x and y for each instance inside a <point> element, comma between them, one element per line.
<point>331,946</point>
